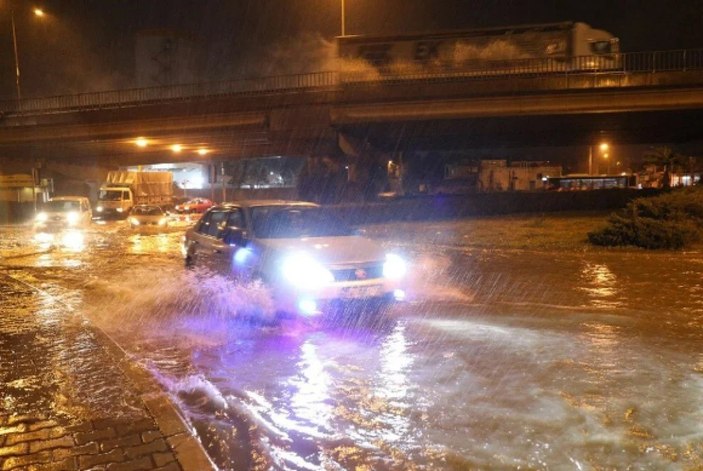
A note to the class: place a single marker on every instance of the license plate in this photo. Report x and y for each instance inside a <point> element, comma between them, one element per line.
<point>356,292</point>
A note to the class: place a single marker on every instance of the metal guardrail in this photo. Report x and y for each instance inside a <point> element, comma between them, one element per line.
<point>624,63</point>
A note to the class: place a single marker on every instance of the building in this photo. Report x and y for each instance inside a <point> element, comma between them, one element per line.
<point>499,175</point>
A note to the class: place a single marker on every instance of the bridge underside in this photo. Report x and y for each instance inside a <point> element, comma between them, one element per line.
<point>649,127</point>
<point>389,137</point>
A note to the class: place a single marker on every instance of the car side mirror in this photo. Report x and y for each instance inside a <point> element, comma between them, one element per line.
<point>234,236</point>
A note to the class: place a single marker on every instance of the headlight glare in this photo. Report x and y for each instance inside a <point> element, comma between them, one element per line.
<point>395,267</point>
<point>302,271</point>
<point>72,217</point>
<point>41,217</point>
<point>133,221</point>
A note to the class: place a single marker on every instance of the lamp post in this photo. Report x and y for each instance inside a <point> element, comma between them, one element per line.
<point>37,12</point>
<point>603,147</point>
<point>344,31</point>
<point>14,46</point>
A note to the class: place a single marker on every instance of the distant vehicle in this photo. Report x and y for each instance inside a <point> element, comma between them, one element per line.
<point>64,212</point>
<point>122,190</point>
<point>551,47</point>
<point>195,205</point>
<point>145,215</point>
<point>311,260</point>
<point>590,182</point>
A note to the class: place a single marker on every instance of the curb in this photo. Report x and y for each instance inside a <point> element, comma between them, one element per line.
<point>189,452</point>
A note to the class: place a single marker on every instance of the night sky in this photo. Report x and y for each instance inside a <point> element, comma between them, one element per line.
<point>88,45</point>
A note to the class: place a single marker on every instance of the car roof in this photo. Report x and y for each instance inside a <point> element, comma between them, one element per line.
<point>254,203</point>
<point>68,198</point>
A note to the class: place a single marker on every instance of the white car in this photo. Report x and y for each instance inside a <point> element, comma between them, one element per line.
<point>64,212</point>
<point>145,215</point>
<point>309,259</point>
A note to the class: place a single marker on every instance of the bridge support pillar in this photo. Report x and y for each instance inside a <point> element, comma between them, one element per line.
<point>370,170</point>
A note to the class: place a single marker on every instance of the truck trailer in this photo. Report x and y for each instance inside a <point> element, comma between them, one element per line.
<point>536,48</point>
<point>122,190</point>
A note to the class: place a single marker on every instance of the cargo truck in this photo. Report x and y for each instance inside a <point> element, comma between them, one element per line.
<point>122,190</point>
<point>522,49</point>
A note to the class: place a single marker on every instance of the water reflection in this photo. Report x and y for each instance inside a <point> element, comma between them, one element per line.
<point>394,389</point>
<point>600,285</point>
<point>310,400</point>
<point>141,244</point>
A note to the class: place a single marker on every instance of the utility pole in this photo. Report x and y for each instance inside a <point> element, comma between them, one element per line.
<point>17,60</point>
<point>344,30</point>
<point>224,188</point>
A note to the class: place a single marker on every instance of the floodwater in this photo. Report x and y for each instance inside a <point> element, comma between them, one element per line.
<point>498,360</point>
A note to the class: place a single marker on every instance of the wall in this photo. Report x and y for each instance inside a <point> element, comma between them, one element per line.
<point>481,204</point>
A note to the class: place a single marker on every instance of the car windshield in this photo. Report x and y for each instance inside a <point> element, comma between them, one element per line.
<point>285,222</point>
<point>58,206</point>
<point>147,210</point>
<point>110,195</point>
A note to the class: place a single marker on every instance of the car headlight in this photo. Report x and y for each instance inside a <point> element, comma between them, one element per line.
<point>394,267</point>
<point>133,221</point>
<point>99,209</point>
<point>302,271</point>
<point>119,210</point>
<point>162,221</point>
<point>72,218</point>
<point>41,217</point>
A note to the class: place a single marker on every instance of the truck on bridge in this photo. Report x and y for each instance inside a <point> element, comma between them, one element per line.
<point>122,190</point>
<point>536,48</point>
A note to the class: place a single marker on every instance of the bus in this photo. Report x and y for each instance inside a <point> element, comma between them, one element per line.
<point>590,182</point>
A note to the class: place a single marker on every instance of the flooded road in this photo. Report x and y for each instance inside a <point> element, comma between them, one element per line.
<point>498,360</point>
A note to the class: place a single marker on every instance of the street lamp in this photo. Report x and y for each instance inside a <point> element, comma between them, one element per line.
<point>37,12</point>
<point>344,31</point>
<point>603,147</point>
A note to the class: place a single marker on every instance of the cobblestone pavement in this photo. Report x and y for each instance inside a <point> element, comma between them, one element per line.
<point>70,399</point>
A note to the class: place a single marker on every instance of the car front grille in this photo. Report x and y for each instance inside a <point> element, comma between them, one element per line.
<point>362,272</point>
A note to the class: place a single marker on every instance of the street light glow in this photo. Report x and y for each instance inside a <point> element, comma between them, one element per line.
<point>38,12</point>
<point>141,142</point>
<point>176,148</point>
<point>604,147</point>
<point>202,151</point>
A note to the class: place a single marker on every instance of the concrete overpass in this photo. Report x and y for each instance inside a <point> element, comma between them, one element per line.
<point>653,97</point>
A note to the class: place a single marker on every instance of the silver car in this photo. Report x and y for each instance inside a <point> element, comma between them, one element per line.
<point>309,259</point>
<point>63,212</point>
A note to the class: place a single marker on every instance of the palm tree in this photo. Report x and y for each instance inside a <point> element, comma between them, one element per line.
<point>667,158</point>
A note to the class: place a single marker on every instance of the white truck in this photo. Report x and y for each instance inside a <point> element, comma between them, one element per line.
<point>122,190</point>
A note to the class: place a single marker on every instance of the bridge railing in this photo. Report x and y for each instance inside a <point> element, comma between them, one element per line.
<point>622,63</point>
<point>170,93</point>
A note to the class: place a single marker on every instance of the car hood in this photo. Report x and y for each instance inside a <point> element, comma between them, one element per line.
<point>148,217</point>
<point>331,251</point>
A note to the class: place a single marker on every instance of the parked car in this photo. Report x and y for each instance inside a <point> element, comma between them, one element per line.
<point>309,259</point>
<point>145,215</point>
<point>195,205</point>
<point>64,212</point>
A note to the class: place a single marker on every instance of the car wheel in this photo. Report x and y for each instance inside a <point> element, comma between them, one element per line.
<point>189,261</point>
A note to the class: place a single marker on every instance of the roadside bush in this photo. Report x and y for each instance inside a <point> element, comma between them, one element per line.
<point>670,221</point>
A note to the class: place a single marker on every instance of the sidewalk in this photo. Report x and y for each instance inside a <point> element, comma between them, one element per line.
<point>70,399</point>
